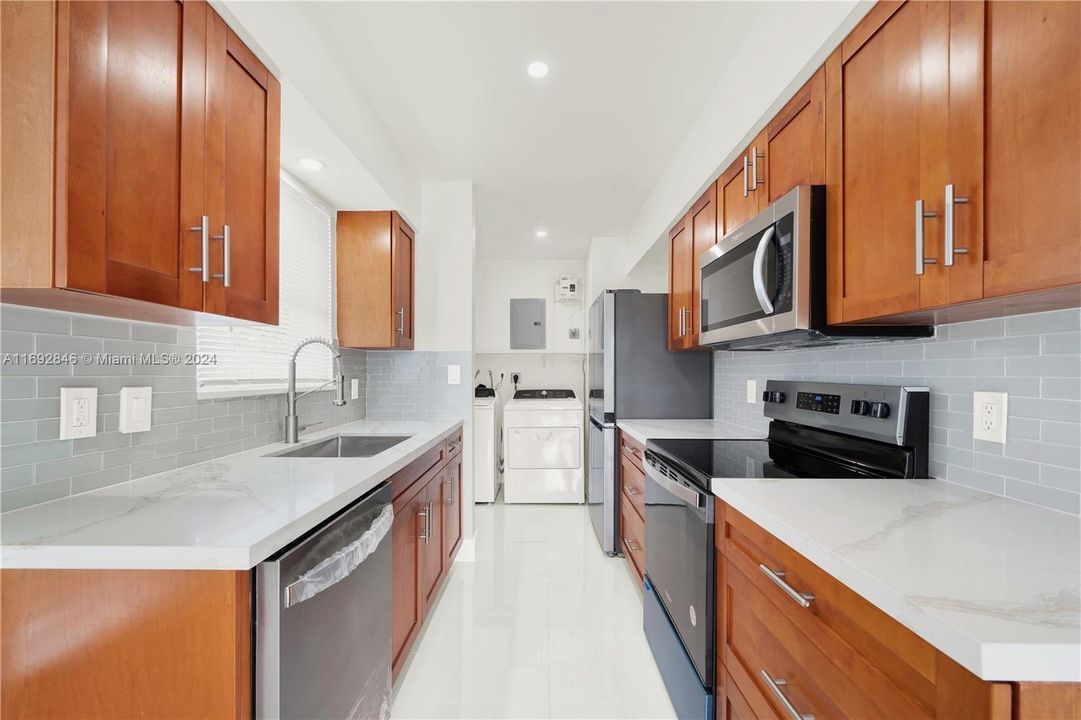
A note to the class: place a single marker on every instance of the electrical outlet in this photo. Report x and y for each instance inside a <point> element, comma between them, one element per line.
<point>454,374</point>
<point>752,391</point>
<point>78,412</point>
<point>989,416</point>
<point>354,389</point>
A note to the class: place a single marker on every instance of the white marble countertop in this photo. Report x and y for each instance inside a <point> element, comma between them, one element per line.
<point>706,429</point>
<point>227,514</point>
<point>995,584</point>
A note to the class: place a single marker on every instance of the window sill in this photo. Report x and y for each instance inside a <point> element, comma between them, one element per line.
<point>236,392</point>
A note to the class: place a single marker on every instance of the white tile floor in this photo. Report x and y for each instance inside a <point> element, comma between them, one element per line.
<point>542,625</point>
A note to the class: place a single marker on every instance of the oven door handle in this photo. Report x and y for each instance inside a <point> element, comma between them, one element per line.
<point>684,493</point>
<point>760,271</point>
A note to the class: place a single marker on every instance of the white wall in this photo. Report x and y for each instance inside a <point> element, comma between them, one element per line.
<point>605,269</point>
<point>497,281</point>
<point>446,241</point>
<point>538,370</point>
<point>783,48</point>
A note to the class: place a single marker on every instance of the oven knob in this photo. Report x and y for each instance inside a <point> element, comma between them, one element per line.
<point>859,407</point>
<point>880,410</point>
<point>773,396</point>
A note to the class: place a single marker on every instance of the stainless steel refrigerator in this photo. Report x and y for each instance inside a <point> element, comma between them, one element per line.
<point>632,374</point>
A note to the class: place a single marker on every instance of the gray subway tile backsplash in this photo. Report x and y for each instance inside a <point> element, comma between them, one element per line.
<point>1035,358</point>
<point>185,430</point>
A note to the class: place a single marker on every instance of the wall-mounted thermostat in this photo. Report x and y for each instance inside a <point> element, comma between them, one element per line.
<point>567,287</point>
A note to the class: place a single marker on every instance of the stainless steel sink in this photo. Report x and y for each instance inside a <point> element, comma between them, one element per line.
<point>344,446</point>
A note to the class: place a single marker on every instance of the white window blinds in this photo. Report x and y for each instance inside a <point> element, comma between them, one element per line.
<point>254,359</point>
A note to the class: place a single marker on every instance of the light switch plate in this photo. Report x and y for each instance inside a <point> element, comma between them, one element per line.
<point>454,374</point>
<point>78,412</point>
<point>752,391</point>
<point>354,389</point>
<point>989,416</point>
<point>135,404</point>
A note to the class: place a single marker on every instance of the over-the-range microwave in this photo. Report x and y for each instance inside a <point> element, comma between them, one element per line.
<point>764,284</point>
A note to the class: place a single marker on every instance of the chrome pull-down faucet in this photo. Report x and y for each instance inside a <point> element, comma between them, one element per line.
<point>292,429</point>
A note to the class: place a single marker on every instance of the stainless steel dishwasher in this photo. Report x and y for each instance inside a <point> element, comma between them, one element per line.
<point>323,619</point>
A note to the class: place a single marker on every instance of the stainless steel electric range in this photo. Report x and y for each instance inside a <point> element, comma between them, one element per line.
<point>817,430</point>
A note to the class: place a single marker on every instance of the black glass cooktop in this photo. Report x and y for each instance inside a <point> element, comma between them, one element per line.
<point>708,459</point>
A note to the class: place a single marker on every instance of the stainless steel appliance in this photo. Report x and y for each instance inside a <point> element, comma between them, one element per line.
<point>323,618</point>
<point>633,375</point>
<point>817,430</point>
<point>764,284</point>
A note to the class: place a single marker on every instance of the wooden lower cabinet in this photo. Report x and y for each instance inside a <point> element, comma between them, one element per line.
<point>839,657</point>
<point>632,506</point>
<point>106,644</point>
<point>427,534</point>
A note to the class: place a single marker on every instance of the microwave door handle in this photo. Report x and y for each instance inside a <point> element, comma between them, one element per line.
<point>760,271</point>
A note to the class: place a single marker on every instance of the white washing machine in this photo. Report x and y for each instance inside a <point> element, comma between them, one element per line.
<point>487,424</point>
<point>543,448</point>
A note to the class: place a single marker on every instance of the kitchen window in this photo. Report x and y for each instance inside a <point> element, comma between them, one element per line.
<point>253,359</point>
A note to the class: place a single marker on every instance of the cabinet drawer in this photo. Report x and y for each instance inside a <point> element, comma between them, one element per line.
<point>736,703</point>
<point>801,673</point>
<point>633,532</point>
<point>836,616</point>
<point>632,485</point>
<point>632,449</point>
<point>454,444</point>
<point>408,476</point>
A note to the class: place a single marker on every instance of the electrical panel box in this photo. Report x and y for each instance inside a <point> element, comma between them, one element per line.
<point>527,329</point>
<point>567,287</point>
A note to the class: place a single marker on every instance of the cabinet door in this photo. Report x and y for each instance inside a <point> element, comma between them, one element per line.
<point>402,271</point>
<point>886,121</point>
<point>452,509</point>
<point>129,148</point>
<point>703,227</point>
<point>1033,142</point>
<point>796,140</point>
<point>738,202</point>
<point>432,562</point>
<point>681,252</point>
<point>242,166</point>
<point>405,576</point>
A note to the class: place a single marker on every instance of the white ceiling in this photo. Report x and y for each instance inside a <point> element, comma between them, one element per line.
<point>575,153</point>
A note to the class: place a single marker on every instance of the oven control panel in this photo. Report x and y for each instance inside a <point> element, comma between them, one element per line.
<point>819,402</point>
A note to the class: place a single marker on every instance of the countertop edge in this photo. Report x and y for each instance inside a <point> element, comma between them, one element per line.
<point>227,558</point>
<point>989,661</point>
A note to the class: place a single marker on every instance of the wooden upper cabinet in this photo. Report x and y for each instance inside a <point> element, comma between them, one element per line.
<point>703,227</point>
<point>375,280</point>
<point>129,145</point>
<point>1032,66</point>
<point>680,255</point>
<point>887,117</point>
<point>242,160</point>
<point>796,140</point>
<point>161,118</point>
<point>743,188</point>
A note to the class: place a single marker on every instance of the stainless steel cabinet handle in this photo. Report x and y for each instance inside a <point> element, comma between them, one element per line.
<point>203,228</point>
<point>746,188</point>
<point>949,250</point>
<point>760,272</point>
<point>449,499</point>
<point>632,545</point>
<point>804,600</point>
<point>429,516</point>
<point>424,528</point>
<point>774,684</point>
<point>401,321</point>
<point>920,215</point>
<point>632,491</point>
<point>226,251</point>
<point>755,182</point>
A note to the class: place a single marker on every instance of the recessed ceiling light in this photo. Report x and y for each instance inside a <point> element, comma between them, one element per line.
<point>537,69</point>
<point>311,163</point>
<point>541,234</point>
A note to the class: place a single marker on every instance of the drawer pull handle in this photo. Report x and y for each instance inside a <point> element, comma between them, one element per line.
<point>775,687</point>
<point>633,545</point>
<point>632,491</point>
<point>777,576</point>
